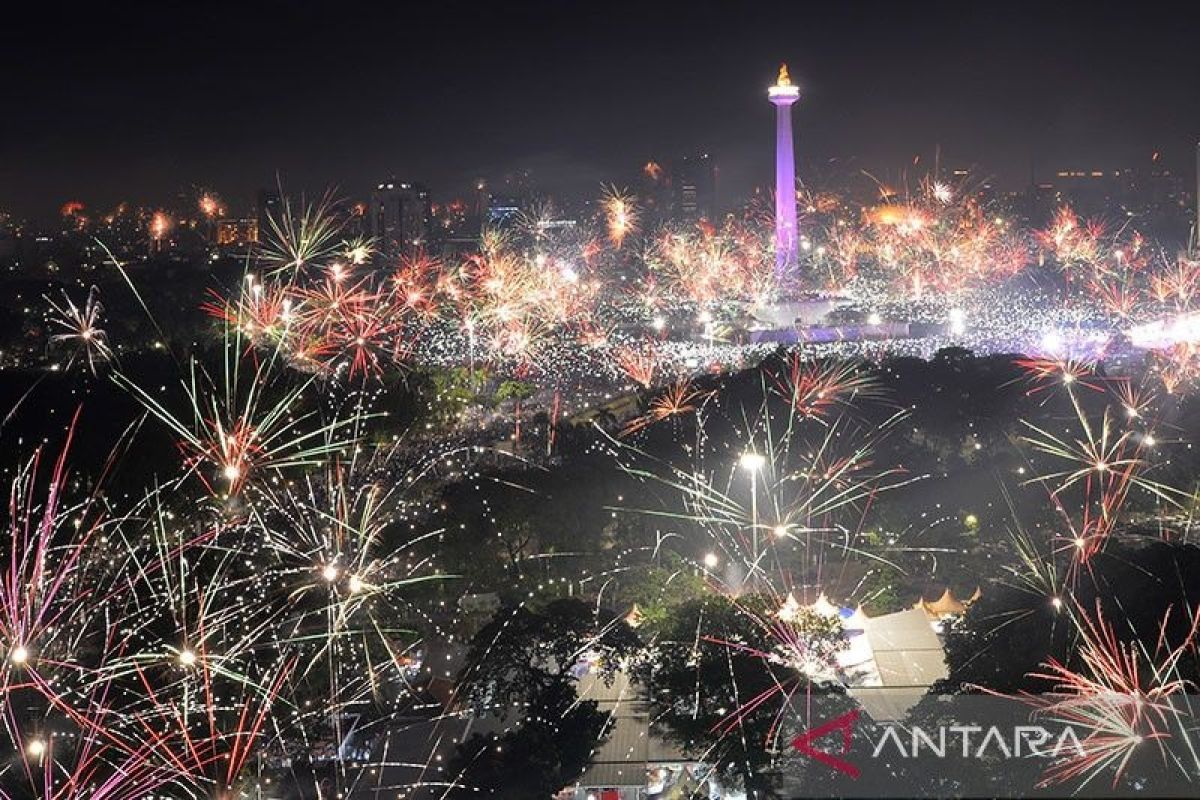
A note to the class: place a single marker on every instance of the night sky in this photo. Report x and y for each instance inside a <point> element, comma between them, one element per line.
<point>104,103</point>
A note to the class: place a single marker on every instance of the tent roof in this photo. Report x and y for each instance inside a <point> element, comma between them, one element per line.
<point>946,604</point>
<point>824,607</point>
<point>908,657</point>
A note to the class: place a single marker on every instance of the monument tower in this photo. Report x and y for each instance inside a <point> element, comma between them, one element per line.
<point>783,94</point>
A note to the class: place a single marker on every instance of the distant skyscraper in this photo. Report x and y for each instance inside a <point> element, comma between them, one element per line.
<point>268,205</point>
<point>783,94</point>
<point>504,210</point>
<point>400,218</point>
<point>694,188</point>
<point>654,194</point>
<point>1149,193</point>
<point>512,199</point>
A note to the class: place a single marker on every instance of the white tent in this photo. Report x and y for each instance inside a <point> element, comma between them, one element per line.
<point>823,607</point>
<point>906,658</point>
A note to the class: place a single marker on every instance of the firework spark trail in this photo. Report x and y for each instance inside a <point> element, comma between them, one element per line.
<point>1122,696</point>
<point>815,387</point>
<point>81,329</point>
<point>621,215</point>
<point>186,691</point>
<point>766,493</point>
<point>797,491</point>
<point>216,639</point>
<point>677,400</point>
<point>244,423</point>
<point>300,237</point>
<point>533,293</point>
<point>256,616</point>
<point>1104,466</point>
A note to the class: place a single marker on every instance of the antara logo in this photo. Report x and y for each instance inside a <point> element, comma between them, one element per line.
<point>967,741</point>
<point>845,725</point>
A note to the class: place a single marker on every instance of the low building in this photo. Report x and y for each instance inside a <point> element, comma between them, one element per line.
<point>237,235</point>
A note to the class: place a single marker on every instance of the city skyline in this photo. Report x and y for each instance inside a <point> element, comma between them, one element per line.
<point>234,99</point>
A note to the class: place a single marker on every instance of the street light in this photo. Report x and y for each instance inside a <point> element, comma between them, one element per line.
<point>711,560</point>
<point>752,461</point>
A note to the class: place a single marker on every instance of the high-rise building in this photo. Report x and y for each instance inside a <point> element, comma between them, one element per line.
<point>653,187</point>
<point>401,218</point>
<point>694,188</point>
<point>783,94</point>
<point>511,200</point>
<point>504,210</point>
<point>268,205</point>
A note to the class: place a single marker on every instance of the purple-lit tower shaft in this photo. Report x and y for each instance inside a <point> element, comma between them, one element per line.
<point>783,94</point>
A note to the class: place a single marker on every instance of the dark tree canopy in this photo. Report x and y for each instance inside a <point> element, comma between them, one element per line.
<point>1135,585</point>
<point>546,752</point>
<point>707,666</point>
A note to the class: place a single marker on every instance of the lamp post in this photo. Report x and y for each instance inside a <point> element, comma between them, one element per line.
<point>753,463</point>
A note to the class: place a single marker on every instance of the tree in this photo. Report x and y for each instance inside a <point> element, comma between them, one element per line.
<point>880,590</point>
<point>514,390</point>
<point>1012,631</point>
<point>525,652</point>
<point>547,751</point>
<point>448,393</point>
<point>523,659</point>
<point>657,590</point>
<point>725,673</point>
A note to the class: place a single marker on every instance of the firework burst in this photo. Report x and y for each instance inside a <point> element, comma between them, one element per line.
<point>80,329</point>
